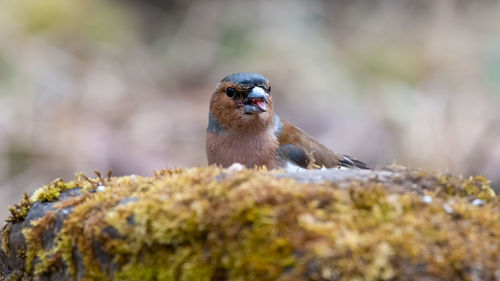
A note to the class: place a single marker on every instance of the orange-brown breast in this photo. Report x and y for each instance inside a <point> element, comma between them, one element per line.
<point>249,150</point>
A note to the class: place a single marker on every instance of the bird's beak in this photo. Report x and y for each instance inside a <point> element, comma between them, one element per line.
<point>256,101</point>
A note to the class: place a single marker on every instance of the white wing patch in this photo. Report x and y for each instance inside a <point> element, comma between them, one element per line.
<point>290,167</point>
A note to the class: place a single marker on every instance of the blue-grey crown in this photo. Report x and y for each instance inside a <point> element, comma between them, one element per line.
<point>246,78</point>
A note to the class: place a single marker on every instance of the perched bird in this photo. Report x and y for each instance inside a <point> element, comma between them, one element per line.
<point>243,128</point>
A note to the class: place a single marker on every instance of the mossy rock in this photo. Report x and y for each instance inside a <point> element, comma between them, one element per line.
<point>215,224</point>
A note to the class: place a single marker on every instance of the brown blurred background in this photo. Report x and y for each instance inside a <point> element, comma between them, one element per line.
<point>87,84</point>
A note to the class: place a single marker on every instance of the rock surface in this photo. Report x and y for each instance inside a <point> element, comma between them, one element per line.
<point>214,224</point>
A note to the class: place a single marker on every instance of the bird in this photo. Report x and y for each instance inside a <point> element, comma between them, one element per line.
<point>243,128</point>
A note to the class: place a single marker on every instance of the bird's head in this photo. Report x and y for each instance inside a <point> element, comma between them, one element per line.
<point>243,101</point>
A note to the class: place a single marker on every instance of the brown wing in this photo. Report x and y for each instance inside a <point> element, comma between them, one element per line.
<point>291,135</point>
<point>300,148</point>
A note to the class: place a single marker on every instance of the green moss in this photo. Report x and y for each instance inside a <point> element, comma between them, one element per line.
<point>477,186</point>
<point>6,237</point>
<point>35,247</point>
<point>18,212</point>
<point>15,276</point>
<point>51,192</point>
<point>210,224</point>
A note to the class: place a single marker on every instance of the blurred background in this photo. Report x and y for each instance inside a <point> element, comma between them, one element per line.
<point>89,84</point>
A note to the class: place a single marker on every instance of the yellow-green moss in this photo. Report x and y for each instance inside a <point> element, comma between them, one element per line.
<point>478,186</point>
<point>15,276</point>
<point>6,237</point>
<point>18,212</point>
<point>34,235</point>
<point>211,224</point>
<point>51,192</point>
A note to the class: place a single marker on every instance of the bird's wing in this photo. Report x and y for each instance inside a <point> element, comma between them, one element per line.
<point>296,144</point>
<point>294,155</point>
<point>349,162</point>
<point>302,150</point>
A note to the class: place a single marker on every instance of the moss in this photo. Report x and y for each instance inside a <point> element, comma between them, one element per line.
<point>214,224</point>
<point>51,192</point>
<point>35,237</point>
<point>477,187</point>
<point>6,237</point>
<point>18,212</point>
<point>15,276</point>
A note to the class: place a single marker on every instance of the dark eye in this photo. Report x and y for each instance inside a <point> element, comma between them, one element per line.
<point>230,92</point>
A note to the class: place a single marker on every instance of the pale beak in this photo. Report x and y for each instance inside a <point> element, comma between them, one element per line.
<point>256,101</point>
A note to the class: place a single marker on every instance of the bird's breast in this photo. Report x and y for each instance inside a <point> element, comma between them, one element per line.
<point>249,150</point>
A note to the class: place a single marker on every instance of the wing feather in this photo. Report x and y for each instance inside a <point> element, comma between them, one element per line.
<point>301,149</point>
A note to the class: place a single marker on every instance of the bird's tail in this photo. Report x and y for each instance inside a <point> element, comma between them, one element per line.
<point>349,162</point>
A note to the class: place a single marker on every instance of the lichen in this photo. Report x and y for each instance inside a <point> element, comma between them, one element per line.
<point>214,224</point>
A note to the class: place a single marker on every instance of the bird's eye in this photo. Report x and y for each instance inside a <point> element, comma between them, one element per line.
<point>230,92</point>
